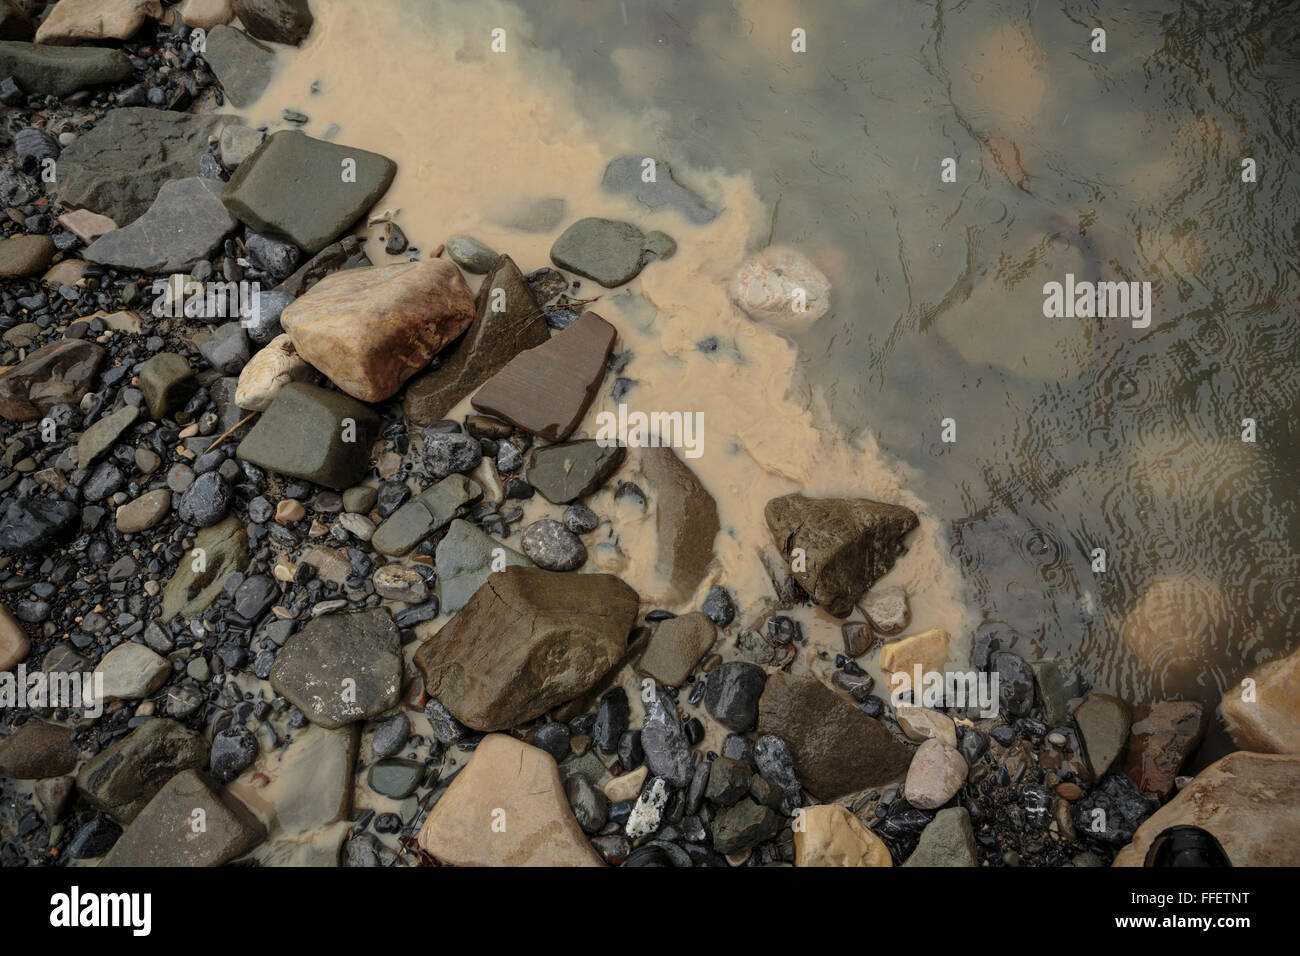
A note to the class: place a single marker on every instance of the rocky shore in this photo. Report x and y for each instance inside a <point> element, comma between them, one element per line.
<point>348,560</point>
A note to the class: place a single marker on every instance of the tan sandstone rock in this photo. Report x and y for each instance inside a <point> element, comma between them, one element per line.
<point>76,21</point>
<point>506,808</point>
<point>271,369</point>
<point>1270,723</point>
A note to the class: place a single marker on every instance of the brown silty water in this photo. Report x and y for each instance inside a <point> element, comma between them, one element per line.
<point>1072,434</point>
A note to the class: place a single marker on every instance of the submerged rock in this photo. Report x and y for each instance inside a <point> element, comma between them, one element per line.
<point>627,175</point>
<point>508,780</point>
<point>847,544</point>
<point>527,641</point>
<point>783,288</point>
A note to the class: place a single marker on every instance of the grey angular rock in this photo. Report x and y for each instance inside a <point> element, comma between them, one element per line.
<point>667,749</point>
<point>124,777</point>
<point>186,223</point>
<point>947,840</point>
<point>603,250</point>
<point>416,520</point>
<point>315,434</point>
<point>342,668</point>
<point>464,560</point>
<point>567,471</point>
<point>292,188</point>
<point>242,65</point>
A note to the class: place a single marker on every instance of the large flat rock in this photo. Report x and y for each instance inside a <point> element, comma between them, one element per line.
<point>546,390</point>
<point>342,668</point>
<point>58,71</point>
<point>164,834</point>
<point>507,781</point>
<point>118,167</point>
<point>243,65</point>
<point>527,641</point>
<point>837,748</point>
<point>186,223</point>
<point>60,373</point>
<point>303,189</point>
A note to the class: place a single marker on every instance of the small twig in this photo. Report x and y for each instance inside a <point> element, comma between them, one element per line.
<point>234,428</point>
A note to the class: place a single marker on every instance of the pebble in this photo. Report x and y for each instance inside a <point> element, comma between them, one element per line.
<point>552,546</point>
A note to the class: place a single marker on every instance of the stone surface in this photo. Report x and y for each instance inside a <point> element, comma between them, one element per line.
<point>936,773</point>
<point>492,340</point>
<point>243,65</point>
<point>14,643</point>
<point>416,520</point>
<point>528,640</point>
<point>549,544</point>
<point>196,584</point>
<point>1163,734</point>
<point>118,167</point>
<point>1103,723</point>
<point>186,223</point>
<point>627,175</point>
<point>1270,723</point>
<point>97,440</point>
<point>292,188</point>
<point>742,826</point>
<point>132,671</point>
<point>57,374</point>
<point>144,512</point>
<point>280,21</point>
<point>163,835</point>
<point>124,777</point>
<point>371,329</point>
<point>167,383</point>
<point>567,471</point>
<point>206,14</point>
<point>37,750</point>
<point>471,255</point>
<point>342,668</point>
<point>732,694</point>
<point>603,250</point>
<point>920,724</point>
<point>848,544</point>
<point>59,71</point>
<point>238,143</point>
<point>270,369</point>
<point>506,776</point>
<point>464,560</point>
<point>675,647</point>
<point>86,225</point>
<point>304,434</point>
<point>686,523</point>
<point>24,256</point>
<point>36,524</point>
<point>74,21</point>
<point>927,649</point>
<point>832,836</point>
<point>947,840</point>
<point>1250,802</point>
<point>837,748</point>
<point>546,390</point>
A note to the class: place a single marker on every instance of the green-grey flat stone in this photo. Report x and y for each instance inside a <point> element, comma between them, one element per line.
<point>294,187</point>
<point>58,70</point>
<point>186,223</point>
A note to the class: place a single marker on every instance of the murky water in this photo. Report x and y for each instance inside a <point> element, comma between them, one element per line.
<point>1071,434</point>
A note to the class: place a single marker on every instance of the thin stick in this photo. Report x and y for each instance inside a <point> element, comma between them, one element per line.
<point>234,428</point>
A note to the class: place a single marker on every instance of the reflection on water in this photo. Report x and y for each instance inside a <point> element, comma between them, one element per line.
<point>1073,434</point>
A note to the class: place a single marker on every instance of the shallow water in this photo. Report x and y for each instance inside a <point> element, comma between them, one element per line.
<point>1072,434</point>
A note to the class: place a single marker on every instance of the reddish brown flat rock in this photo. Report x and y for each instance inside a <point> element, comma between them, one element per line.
<point>546,390</point>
